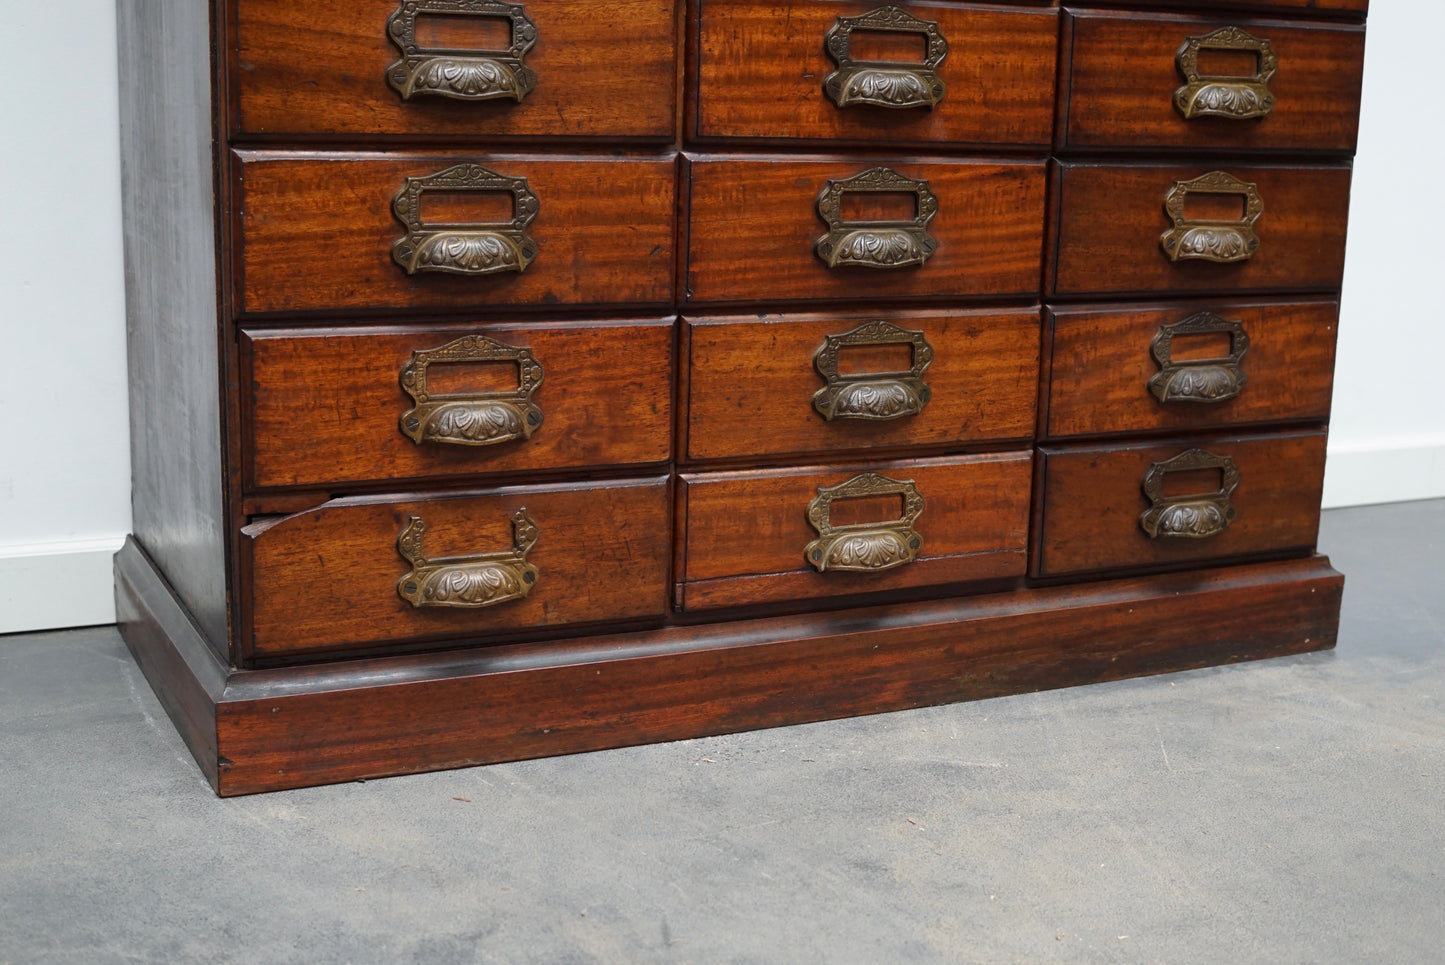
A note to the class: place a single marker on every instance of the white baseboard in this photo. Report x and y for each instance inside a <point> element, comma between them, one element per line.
<point>51,586</point>
<point>1389,472</point>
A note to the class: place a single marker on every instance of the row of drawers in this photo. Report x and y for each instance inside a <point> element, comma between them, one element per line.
<point>977,75</point>
<point>345,575</point>
<point>330,407</point>
<point>346,232</point>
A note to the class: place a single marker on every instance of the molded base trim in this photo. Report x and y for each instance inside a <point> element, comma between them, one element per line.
<point>55,585</point>
<point>1389,473</point>
<point>267,730</point>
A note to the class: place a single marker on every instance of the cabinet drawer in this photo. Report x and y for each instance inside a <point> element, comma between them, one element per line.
<point>1189,366</point>
<point>749,538</point>
<point>1097,515</point>
<point>1288,87</point>
<point>333,578</point>
<point>758,228</point>
<point>887,380</point>
<point>984,76</point>
<point>320,232</point>
<point>328,67</point>
<point>1114,224</point>
<point>328,406</point>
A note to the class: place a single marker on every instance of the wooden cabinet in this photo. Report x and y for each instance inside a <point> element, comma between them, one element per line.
<point>513,379</point>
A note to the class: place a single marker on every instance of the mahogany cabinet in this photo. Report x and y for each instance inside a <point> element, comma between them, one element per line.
<point>516,379</point>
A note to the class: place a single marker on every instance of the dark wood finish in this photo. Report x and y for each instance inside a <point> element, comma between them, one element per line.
<point>752,383</point>
<point>1101,366</point>
<point>298,727</point>
<point>168,202</point>
<point>754,223</point>
<point>318,69</point>
<point>605,230</point>
<point>1092,501</point>
<point>761,65</point>
<point>323,404</point>
<point>1111,218</point>
<point>746,531</point>
<point>1122,79</point>
<point>326,579</point>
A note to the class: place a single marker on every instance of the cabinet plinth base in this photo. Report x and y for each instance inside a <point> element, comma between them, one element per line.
<point>265,730</point>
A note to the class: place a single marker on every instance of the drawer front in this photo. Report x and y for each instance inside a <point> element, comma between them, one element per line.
<point>1095,505</point>
<point>330,406</point>
<point>749,539</point>
<point>331,67</point>
<point>333,578</point>
<point>1189,366</point>
<point>984,76</point>
<point>1114,224</point>
<point>757,232</point>
<point>1290,87</point>
<point>321,232</point>
<point>829,383</point>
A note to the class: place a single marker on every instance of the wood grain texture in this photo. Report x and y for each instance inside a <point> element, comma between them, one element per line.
<point>1111,219</point>
<point>168,203</point>
<point>761,65</point>
<point>316,233</point>
<point>323,404</point>
<point>746,531</point>
<point>754,222</point>
<point>1102,365</point>
<point>752,383</point>
<point>319,69</point>
<point>326,579</point>
<point>1122,79</point>
<point>1092,500</point>
<point>305,726</point>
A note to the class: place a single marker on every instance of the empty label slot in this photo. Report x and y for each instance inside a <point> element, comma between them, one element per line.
<point>866,510</point>
<point>1203,346</point>
<point>440,31</point>
<point>471,378</point>
<point>875,359</point>
<point>1230,64</point>
<point>467,207</point>
<point>874,207</point>
<point>1192,482</point>
<point>1214,207</point>
<point>887,47</point>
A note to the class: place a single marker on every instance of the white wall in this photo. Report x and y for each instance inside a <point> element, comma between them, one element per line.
<point>64,452</point>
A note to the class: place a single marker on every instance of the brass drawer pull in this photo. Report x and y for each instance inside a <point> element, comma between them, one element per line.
<point>465,249</point>
<point>884,83</point>
<point>1236,98</point>
<point>1217,240</point>
<point>875,396</point>
<point>1194,516</point>
<point>472,419</point>
<point>486,579</point>
<point>1198,380</point>
<point>864,547</point>
<point>876,244</point>
<point>473,75</point>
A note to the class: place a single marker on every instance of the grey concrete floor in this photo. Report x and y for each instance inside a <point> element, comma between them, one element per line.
<point>1282,811</point>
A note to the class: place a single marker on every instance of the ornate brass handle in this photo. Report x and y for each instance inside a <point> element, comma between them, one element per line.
<point>1195,516</point>
<point>876,396</point>
<point>1198,380</point>
<point>486,579</point>
<point>879,83</point>
<point>864,547</point>
<point>1212,240</point>
<point>473,75</point>
<point>876,244</point>
<point>465,249</point>
<point>472,419</point>
<point>1236,98</point>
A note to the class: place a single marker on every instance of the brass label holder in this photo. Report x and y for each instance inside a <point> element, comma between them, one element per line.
<point>873,396</point>
<point>884,83</point>
<point>465,249</point>
<point>1198,380</point>
<point>1233,98</point>
<point>477,418</point>
<point>472,75</point>
<point>1194,516</point>
<point>483,580</point>
<point>1221,241</point>
<point>864,547</point>
<point>876,244</point>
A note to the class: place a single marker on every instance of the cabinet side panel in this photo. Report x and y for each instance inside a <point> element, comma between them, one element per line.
<point>171,306</point>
